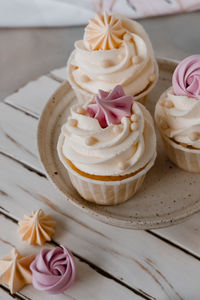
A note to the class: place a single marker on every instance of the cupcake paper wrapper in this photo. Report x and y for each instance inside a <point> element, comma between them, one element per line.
<point>184,158</point>
<point>105,192</point>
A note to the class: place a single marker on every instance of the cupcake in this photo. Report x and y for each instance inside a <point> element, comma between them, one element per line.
<point>114,51</point>
<point>177,115</point>
<point>107,146</point>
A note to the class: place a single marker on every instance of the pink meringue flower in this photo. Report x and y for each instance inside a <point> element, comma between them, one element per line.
<point>111,107</point>
<point>186,77</point>
<point>53,270</point>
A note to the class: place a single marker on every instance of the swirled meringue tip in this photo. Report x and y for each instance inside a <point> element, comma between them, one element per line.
<point>104,32</point>
<point>53,270</point>
<point>111,107</point>
<point>37,228</point>
<point>14,270</point>
<point>186,77</point>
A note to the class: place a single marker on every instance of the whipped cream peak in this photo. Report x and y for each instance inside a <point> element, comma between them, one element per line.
<point>186,77</point>
<point>111,107</point>
<point>104,32</point>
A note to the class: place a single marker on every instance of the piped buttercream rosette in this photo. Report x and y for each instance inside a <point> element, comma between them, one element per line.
<point>114,50</point>
<point>113,135</point>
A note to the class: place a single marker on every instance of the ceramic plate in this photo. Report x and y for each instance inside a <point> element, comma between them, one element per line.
<point>168,194</point>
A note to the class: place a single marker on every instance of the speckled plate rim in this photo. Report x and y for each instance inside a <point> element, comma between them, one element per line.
<point>129,223</point>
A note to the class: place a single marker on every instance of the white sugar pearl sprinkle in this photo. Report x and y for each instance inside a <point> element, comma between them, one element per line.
<point>163,124</point>
<point>162,102</point>
<point>84,78</point>
<point>134,126</point>
<point>169,104</point>
<point>135,60</point>
<point>194,136</point>
<point>152,77</point>
<point>117,129</point>
<point>123,165</point>
<point>106,63</point>
<point>134,118</point>
<point>90,140</point>
<point>80,110</point>
<point>72,122</point>
<point>127,37</point>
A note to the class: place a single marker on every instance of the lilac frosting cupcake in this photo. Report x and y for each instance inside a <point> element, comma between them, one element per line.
<point>177,115</point>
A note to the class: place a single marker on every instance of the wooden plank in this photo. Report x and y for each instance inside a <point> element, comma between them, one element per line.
<point>88,285</point>
<point>19,141</point>
<point>34,95</point>
<point>185,235</point>
<point>188,229</point>
<point>4,295</point>
<point>138,259</point>
<point>59,74</point>
<point>18,138</point>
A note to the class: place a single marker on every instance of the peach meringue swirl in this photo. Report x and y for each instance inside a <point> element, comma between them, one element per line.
<point>117,149</point>
<point>104,32</point>
<point>37,228</point>
<point>15,270</point>
<point>114,50</point>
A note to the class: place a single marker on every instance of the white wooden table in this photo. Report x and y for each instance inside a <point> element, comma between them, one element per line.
<point>112,263</point>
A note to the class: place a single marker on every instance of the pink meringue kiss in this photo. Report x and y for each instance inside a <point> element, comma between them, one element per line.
<point>53,270</point>
<point>111,107</point>
<point>186,77</point>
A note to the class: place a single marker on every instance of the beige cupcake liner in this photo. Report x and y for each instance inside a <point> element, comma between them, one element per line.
<point>84,97</point>
<point>104,192</point>
<point>185,158</point>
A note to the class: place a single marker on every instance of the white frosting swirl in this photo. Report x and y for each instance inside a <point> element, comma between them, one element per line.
<point>131,65</point>
<point>178,118</point>
<point>114,150</point>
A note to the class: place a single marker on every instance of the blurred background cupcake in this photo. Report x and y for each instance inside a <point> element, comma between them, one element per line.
<point>114,50</point>
<point>177,115</point>
<point>108,146</point>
